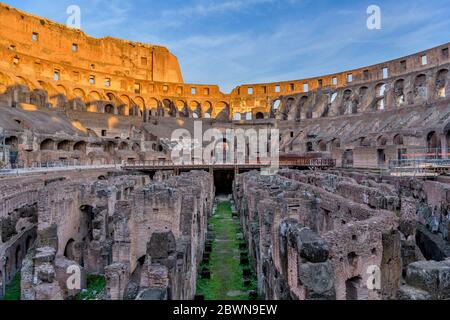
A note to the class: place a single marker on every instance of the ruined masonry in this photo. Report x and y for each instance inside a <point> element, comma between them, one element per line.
<point>82,118</point>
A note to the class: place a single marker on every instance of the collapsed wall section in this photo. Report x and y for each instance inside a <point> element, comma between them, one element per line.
<point>340,235</point>
<point>159,239</point>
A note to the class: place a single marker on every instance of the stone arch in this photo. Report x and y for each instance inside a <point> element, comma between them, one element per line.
<point>124,108</point>
<point>79,93</point>
<point>152,105</point>
<point>398,140</point>
<point>322,145</point>
<point>336,143</point>
<point>289,111</point>
<point>207,109</point>
<point>301,107</point>
<point>136,147</point>
<point>333,97</point>
<point>380,93</point>
<point>109,147</point>
<point>135,111</point>
<point>123,146</point>
<point>69,249</point>
<point>140,102</point>
<point>237,116</point>
<point>433,142</point>
<point>93,104</point>
<point>46,87</point>
<point>361,98</point>
<point>259,116</point>
<point>109,109</point>
<point>61,90</point>
<point>420,87</point>
<point>180,105</point>
<point>399,92</point>
<point>79,98</point>
<point>25,82</point>
<point>38,97</point>
<point>13,143</point>
<point>442,83</point>
<point>94,96</point>
<point>111,96</point>
<point>194,105</point>
<point>183,109</point>
<point>346,104</point>
<point>169,108</point>
<point>223,111</point>
<point>196,109</point>
<point>354,288</point>
<point>80,146</point>
<point>47,144</point>
<point>381,141</point>
<point>63,145</point>
<point>275,108</point>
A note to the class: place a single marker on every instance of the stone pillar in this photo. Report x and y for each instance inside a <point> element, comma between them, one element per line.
<point>444,146</point>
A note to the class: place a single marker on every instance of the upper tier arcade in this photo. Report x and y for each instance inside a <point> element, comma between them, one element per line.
<point>51,66</point>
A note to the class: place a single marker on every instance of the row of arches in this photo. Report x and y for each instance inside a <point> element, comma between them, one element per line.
<point>81,146</point>
<point>402,91</point>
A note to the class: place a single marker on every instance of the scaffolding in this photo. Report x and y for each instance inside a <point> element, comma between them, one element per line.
<point>420,162</point>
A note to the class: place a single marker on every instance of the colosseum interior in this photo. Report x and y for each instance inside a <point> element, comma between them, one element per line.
<point>357,211</point>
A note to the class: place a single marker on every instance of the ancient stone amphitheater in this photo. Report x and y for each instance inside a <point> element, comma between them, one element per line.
<point>85,124</point>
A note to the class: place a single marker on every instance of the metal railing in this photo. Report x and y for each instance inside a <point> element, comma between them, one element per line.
<point>55,166</point>
<point>421,162</point>
<point>303,162</point>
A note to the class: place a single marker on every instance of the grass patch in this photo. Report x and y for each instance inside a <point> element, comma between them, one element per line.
<point>95,285</point>
<point>226,271</point>
<point>13,291</point>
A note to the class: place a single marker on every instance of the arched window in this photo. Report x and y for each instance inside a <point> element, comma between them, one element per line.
<point>381,141</point>
<point>80,146</point>
<point>322,146</point>
<point>47,144</point>
<point>380,92</point>
<point>64,145</point>
<point>69,252</point>
<point>441,83</point>
<point>109,108</point>
<point>420,87</point>
<point>398,140</point>
<point>434,144</point>
<point>399,92</point>
<point>259,115</point>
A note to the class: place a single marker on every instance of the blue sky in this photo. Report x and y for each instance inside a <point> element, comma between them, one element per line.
<point>232,42</point>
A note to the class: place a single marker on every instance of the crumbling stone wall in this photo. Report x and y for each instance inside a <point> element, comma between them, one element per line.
<point>71,220</point>
<point>159,238</point>
<point>362,232</point>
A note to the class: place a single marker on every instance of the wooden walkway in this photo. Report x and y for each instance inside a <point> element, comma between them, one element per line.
<point>307,163</point>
